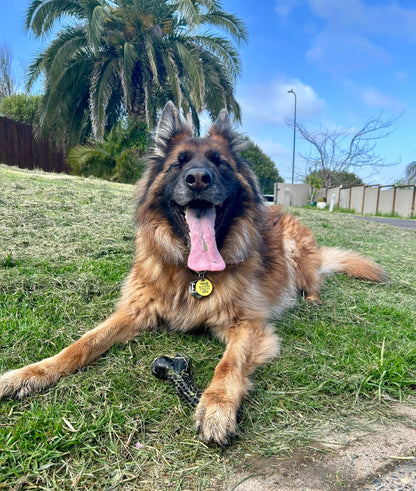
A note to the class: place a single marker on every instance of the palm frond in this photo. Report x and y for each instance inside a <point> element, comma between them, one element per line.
<point>103,81</point>
<point>42,14</point>
<point>191,65</point>
<point>223,49</point>
<point>173,78</point>
<point>62,51</point>
<point>99,17</point>
<point>128,62</point>
<point>151,59</point>
<point>227,22</point>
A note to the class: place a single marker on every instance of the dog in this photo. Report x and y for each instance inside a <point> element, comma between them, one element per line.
<point>208,253</point>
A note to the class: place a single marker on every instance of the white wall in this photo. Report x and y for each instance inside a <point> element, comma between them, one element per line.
<point>362,199</point>
<point>291,194</point>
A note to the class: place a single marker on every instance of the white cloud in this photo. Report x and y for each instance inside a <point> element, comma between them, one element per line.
<point>380,18</point>
<point>336,11</point>
<point>375,98</point>
<point>284,7</point>
<point>276,151</point>
<point>271,103</point>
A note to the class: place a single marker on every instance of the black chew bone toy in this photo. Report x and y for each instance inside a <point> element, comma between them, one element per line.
<point>177,371</point>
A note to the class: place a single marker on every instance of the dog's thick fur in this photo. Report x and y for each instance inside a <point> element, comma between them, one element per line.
<point>269,256</point>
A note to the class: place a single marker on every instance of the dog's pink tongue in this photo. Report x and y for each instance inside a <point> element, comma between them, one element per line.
<point>204,255</point>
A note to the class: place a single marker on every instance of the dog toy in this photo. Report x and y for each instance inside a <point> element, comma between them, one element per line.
<point>177,371</point>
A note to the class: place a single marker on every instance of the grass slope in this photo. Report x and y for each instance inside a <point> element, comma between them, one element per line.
<point>65,246</point>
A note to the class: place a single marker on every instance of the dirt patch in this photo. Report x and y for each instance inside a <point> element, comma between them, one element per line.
<point>344,462</point>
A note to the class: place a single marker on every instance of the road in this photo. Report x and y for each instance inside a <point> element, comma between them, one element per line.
<point>395,222</point>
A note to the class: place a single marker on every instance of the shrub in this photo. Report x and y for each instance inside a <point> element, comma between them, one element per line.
<point>20,107</point>
<point>263,167</point>
<point>119,157</point>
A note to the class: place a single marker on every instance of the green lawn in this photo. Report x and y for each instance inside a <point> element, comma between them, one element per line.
<point>66,244</point>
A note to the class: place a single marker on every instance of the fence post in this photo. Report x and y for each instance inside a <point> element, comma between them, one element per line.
<point>394,198</point>
<point>331,207</point>
<point>378,198</point>
<point>275,188</point>
<point>412,210</point>
<point>362,204</point>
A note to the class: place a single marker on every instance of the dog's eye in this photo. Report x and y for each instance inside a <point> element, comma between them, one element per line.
<point>184,157</point>
<point>215,157</point>
<point>181,159</point>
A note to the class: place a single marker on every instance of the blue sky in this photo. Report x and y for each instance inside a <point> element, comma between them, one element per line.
<point>346,61</point>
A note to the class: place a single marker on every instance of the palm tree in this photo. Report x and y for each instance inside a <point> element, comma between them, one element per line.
<point>118,57</point>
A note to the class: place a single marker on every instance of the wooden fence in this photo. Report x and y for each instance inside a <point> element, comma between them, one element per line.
<point>19,147</point>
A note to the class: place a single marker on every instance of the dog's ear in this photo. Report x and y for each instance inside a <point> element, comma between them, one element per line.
<point>223,127</point>
<point>189,121</point>
<point>171,127</point>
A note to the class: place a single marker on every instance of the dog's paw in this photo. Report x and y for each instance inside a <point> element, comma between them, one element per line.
<point>24,381</point>
<point>313,300</point>
<point>216,417</point>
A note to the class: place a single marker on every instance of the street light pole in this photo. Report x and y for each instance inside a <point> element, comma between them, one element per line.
<point>291,91</point>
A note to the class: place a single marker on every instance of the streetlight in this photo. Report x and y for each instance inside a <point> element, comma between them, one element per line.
<point>291,91</point>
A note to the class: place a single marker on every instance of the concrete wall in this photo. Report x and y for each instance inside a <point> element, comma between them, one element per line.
<point>330,192</point>
<point>344,197</point>
<point>404,203</point>
<point>370,201</point>
<point>386,201</point>
<point>357,194</point>
<point>291,194</point>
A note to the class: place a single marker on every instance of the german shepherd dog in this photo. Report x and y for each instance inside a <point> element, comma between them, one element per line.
<point>208,253</point>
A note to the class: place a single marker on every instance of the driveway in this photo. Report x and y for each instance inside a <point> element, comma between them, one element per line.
<point>395,222</point>
<point>378,457</point>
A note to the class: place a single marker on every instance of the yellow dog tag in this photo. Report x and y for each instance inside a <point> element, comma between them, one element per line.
<point>200,288</point>
<point>203,287</point>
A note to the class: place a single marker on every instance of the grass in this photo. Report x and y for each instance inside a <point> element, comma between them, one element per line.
<point>66,244</point>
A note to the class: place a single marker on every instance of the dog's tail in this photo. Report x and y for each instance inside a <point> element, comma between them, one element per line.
<point>335,260</point>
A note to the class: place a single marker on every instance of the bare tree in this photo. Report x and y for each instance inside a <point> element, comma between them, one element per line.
<point>410,173</point>
<point>7,81</point>
<point>347,149</point>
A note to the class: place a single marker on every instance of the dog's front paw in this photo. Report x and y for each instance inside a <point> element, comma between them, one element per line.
<point>25,381</point>
<point>216,417</point>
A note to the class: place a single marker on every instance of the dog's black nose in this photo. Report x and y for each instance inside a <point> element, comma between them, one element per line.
<point>198,178</point>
